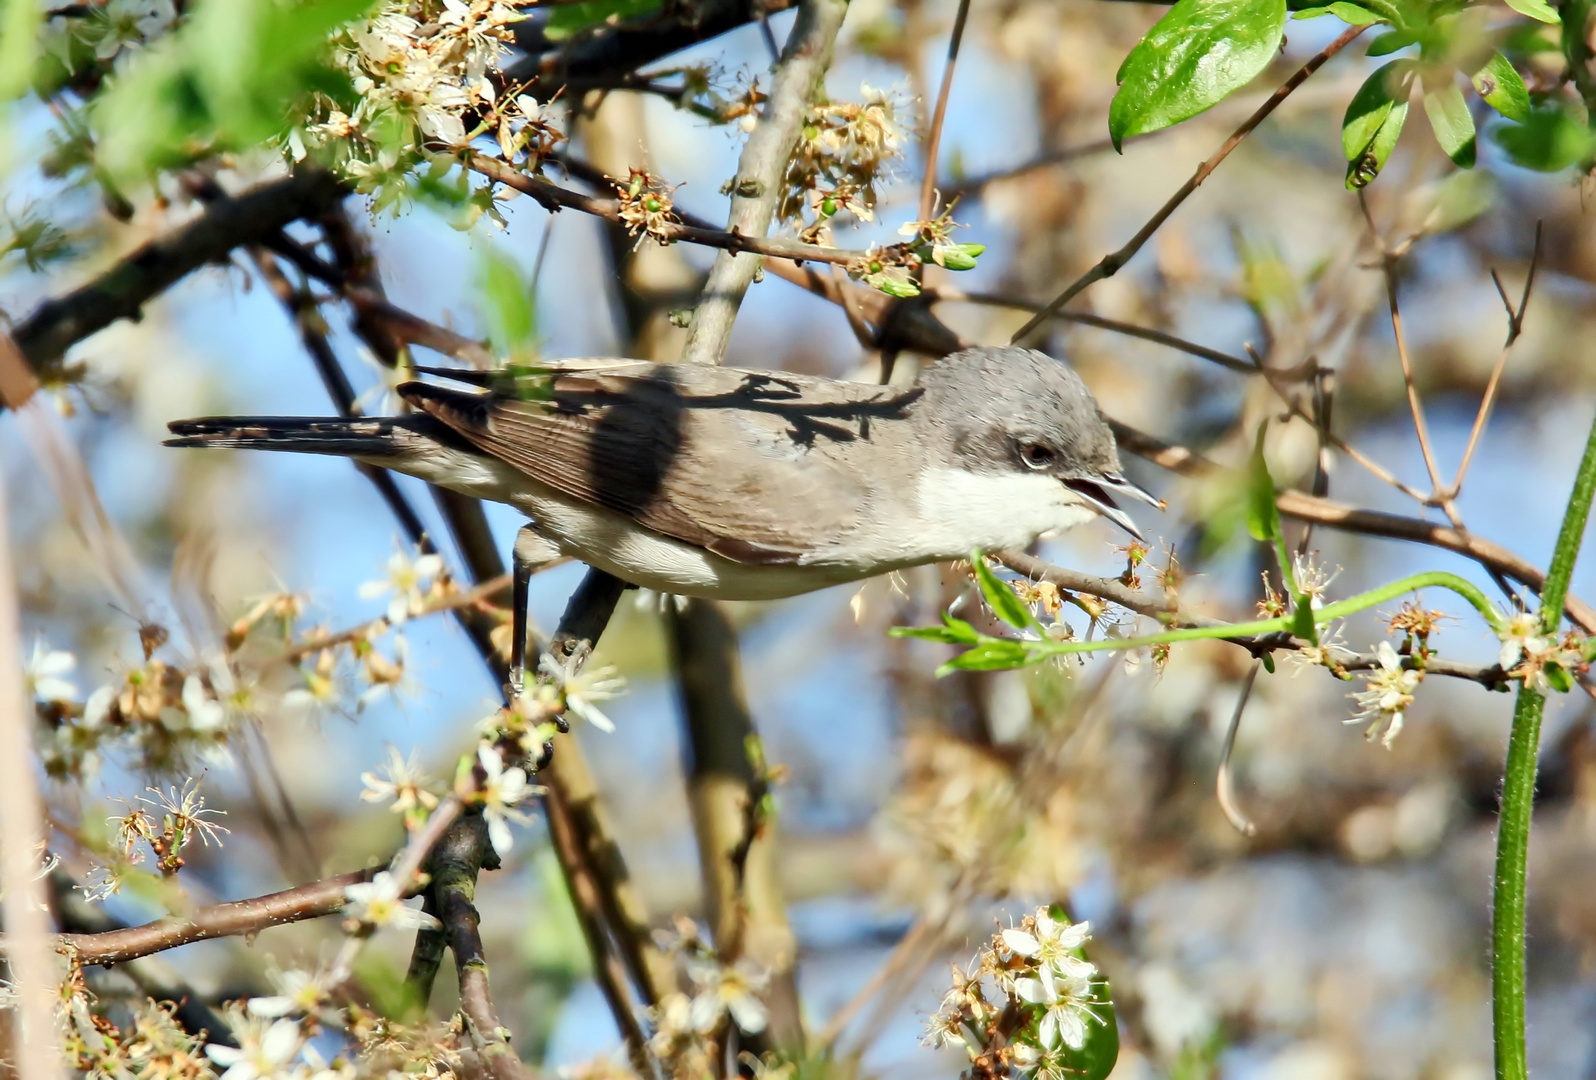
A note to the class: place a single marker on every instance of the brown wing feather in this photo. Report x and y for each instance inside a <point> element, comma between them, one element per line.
<point>716,457</point>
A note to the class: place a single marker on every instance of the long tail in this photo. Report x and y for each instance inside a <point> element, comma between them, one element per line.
<point>368,438</point>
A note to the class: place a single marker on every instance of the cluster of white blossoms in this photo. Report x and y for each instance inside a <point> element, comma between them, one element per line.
<point>421,69</point>
<point>1027,1004</point>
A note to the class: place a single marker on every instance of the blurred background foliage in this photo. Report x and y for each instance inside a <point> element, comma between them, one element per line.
<point>1343,938</point>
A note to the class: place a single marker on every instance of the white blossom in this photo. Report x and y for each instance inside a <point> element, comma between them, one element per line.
<point>266,1048</point>
<point>501,789</point>
<point>43,675</point>
<point>582,689</point>
<point>722,990</point>
<point>1386,696</point>
<point>401,780</point>
<point>408,580</point>
<point>377,904</point>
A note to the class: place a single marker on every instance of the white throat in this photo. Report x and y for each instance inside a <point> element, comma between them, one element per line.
<point>960,509</point>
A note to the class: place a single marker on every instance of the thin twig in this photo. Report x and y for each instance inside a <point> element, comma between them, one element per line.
<point>1515,326</point>
<point>477,594</point>
<point>1224,780</point>
<point>933,139</point>
<point>554,197</point>
<point>1111,263</point>
<point>1388,265</point>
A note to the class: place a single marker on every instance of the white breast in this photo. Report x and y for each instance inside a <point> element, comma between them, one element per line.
<point>960,509</point>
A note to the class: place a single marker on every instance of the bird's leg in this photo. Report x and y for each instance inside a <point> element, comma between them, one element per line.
<point>531,552</point>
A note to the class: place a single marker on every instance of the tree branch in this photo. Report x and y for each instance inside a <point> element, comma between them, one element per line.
<point>236,917</point>
<point>122,291</point>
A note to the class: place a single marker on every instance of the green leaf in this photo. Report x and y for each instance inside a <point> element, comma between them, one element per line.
<point>1502,88</point>
<point>952,632</point>
<point>1559,678</point>
<point>992,654</point>
<point>1000,598</point>
<point>1192,58</point>
<point>1536,9</point>
<point>1350,13</point>
<point>568,20</point>
<point>1374,120</point>
<point>1390,42</point>
<point>1551,140</point>
<point>1450,118</point>
<point>1263,517</point>
<point>1268,659</point>
<point>507,302</point>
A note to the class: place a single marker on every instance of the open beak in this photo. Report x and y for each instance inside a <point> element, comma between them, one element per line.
<point>1099,495</point>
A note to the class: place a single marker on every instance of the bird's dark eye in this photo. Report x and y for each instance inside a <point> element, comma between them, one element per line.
<point>1036,456</point>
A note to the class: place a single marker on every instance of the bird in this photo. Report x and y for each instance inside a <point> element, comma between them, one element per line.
<point>733,484</point>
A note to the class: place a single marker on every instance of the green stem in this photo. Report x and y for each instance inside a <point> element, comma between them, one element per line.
<point>1518,797</point>
<point>1340,609</point>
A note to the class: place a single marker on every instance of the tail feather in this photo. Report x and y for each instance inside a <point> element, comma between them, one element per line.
<point>369,438</point>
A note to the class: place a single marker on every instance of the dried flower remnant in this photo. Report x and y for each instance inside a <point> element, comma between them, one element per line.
<point>647,206</point>
<point>1386,696</point>
<point>844,146</point>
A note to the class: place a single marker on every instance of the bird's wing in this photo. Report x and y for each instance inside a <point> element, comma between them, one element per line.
<point>759,467</point>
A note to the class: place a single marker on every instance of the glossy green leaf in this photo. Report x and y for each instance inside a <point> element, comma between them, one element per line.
<point>1263,517</point>
<point>1097,1056</point>
<point>1349,13</point>
<point>1000,598</point>
<point>568,20</point>
<point>992,654</point>
<point>1192,58</point>
<point>952,632</point>
<point>1390,42</point>
<point>1502,88</point>
<point>1551,140</point>
<point>1453,124</point>
<point>1536,9</point>
<point>1374,120</point>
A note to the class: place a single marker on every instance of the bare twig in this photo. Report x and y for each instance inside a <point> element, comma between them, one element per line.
<point>23,903</point>
<point>734,240</point>
<point>1388,266</point>
<point>933,139</point>
<point>1111,263</point>
<point>1515,326</point>
<point>1224,781</point>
